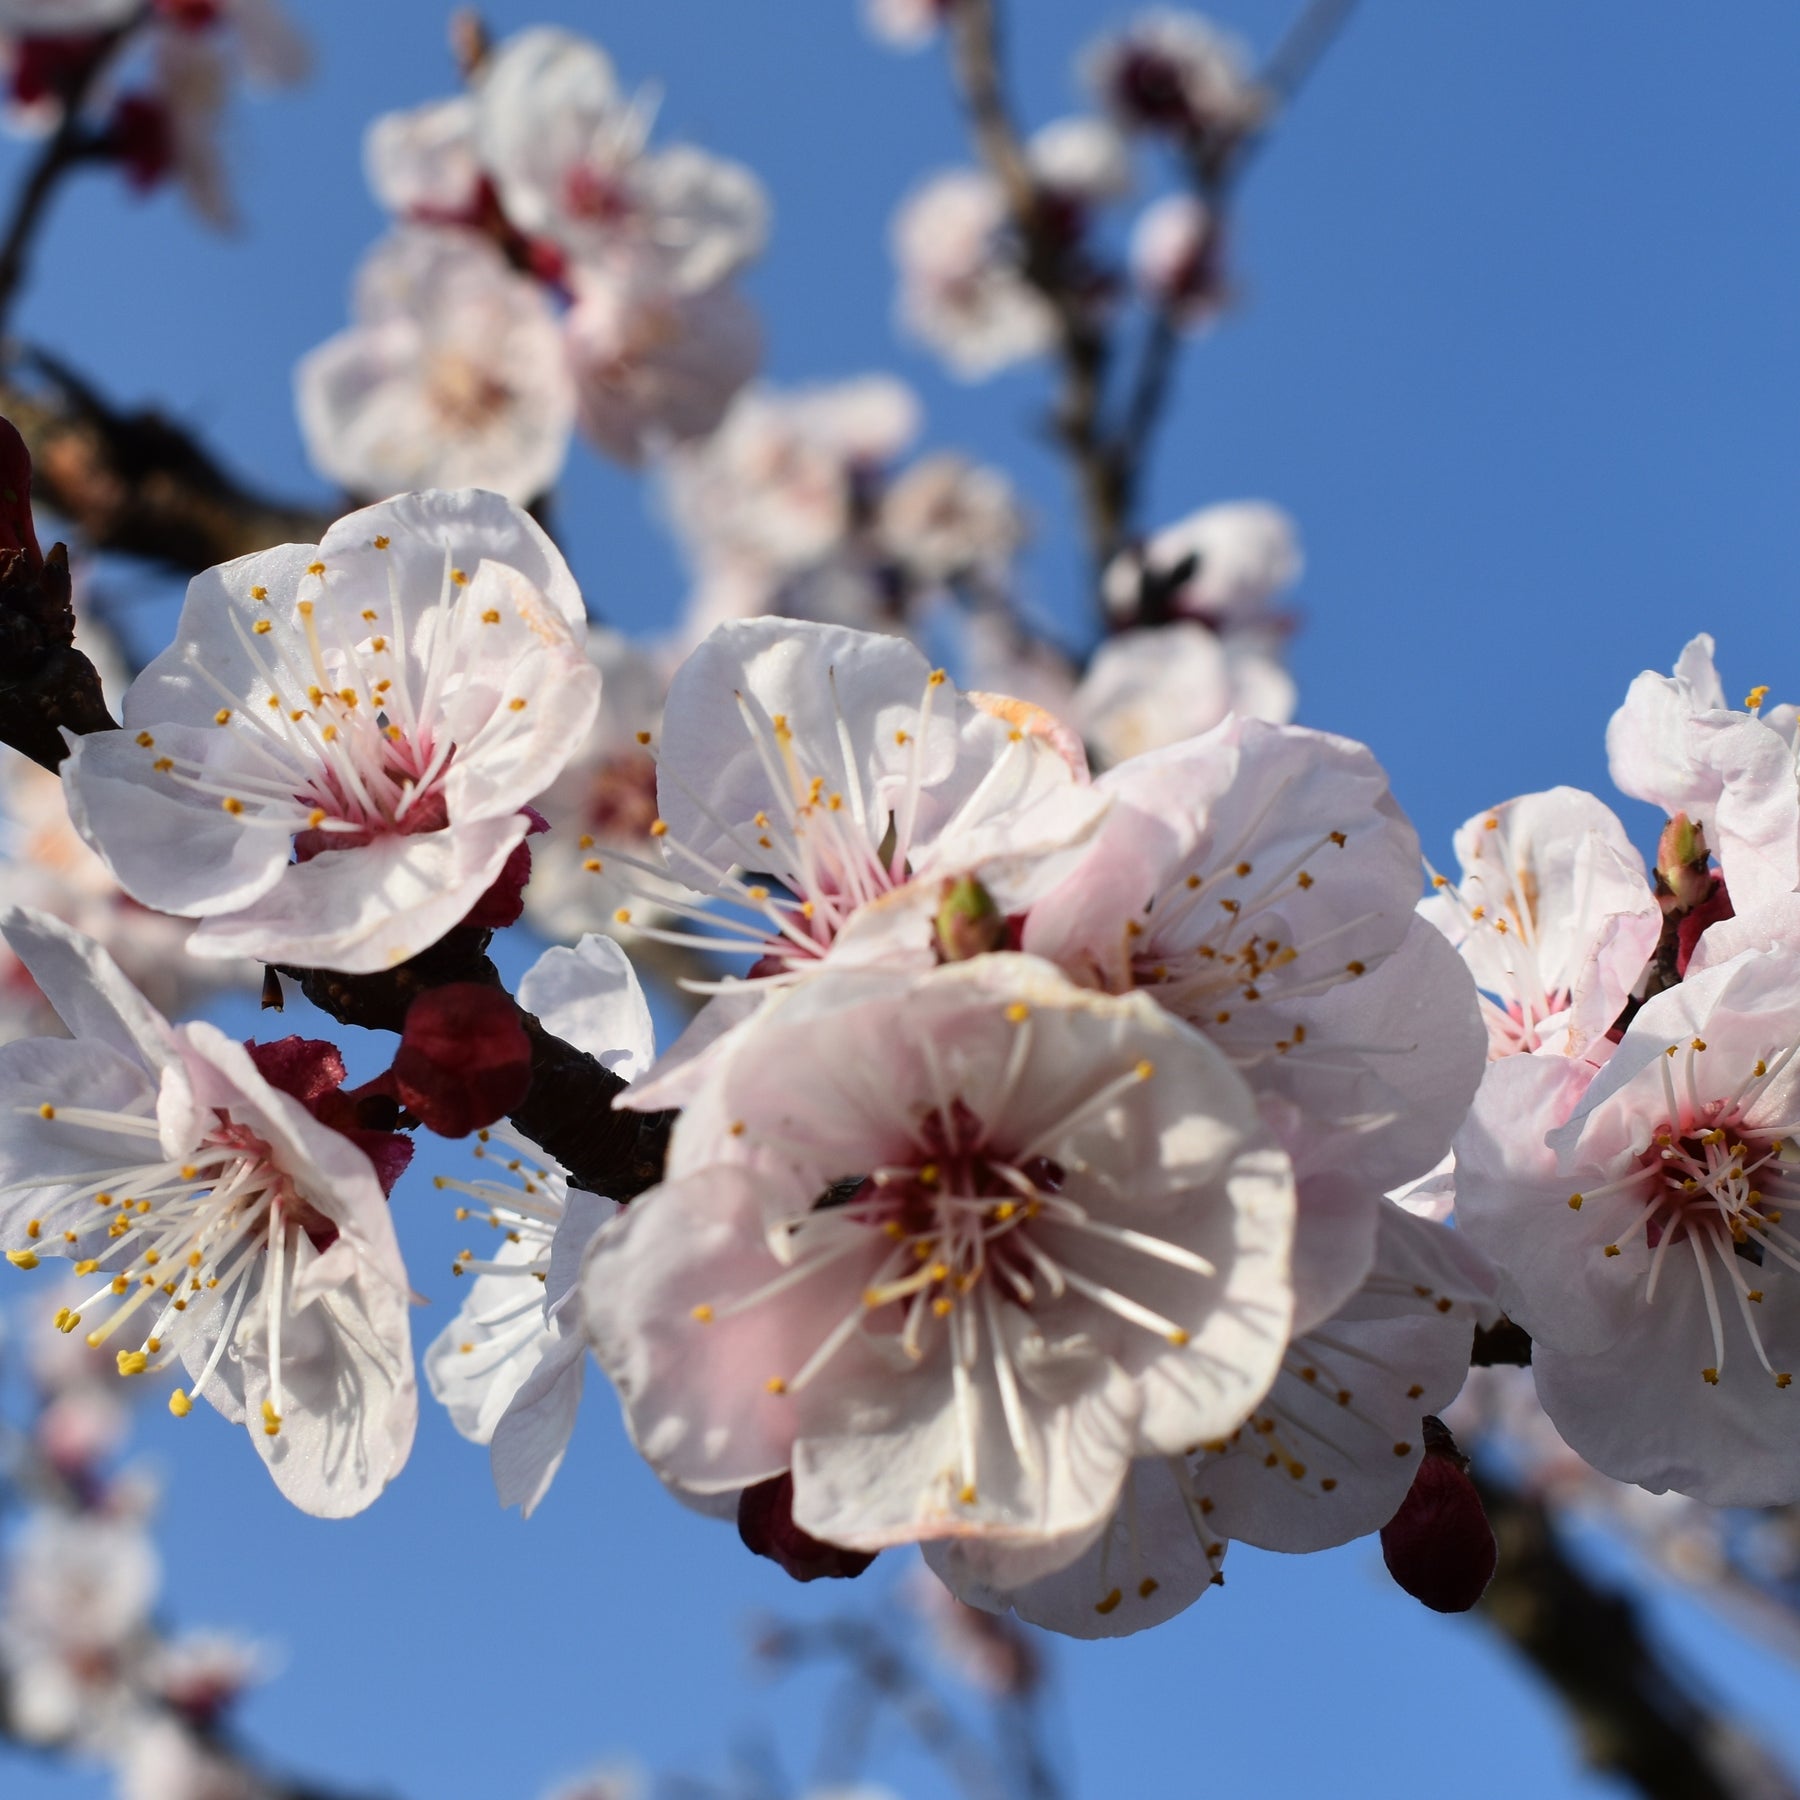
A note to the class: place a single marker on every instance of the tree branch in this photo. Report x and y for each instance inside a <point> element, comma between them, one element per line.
<point>568,1111</point>
<point>71,144</point>
<point>1083,349</point>
<point>139,484</point>
<point>1639,1717</point>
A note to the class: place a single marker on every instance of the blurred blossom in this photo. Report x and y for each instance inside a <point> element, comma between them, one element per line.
<point>454,375</point>
<point>946,517</point>
<point>905,24</point>
<point>1177,75</point>
<point>961,289</point>
<point>78,1595</point>
<point>655,364</point>
<point>1145,689</point>
<point>781,481</point>
<point>601,808</point>
<point>423,163</point>
<point>1224,565</point>
<point>1081,159</point>
<point>1175,260</point>
<point>569,156</point>
<point>163,1760</point>
<point>202,1675</point>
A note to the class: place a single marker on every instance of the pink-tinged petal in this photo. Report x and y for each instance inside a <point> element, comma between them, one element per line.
<point>134,815</point>
<point>370,908</point>
<point>694,1388</point>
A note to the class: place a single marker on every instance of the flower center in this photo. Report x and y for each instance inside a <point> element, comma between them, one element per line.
<point>1712,1186</point>
<point>174,1234</point>
<point>346,745</point>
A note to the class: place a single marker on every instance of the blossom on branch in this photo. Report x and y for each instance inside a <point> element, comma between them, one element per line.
<point>330,764</point>
<point>226,1226</point>
<point>953,1250</point>
<point>454,375</point>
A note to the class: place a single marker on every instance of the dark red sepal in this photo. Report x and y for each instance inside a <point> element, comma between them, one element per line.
<point>464,1059</point>
<point>766,1524</point>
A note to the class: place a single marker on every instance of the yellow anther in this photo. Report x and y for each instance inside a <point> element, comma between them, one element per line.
<point>942,1306</point>
<point>491,616</point>
<point>312,568</point>
<point>1710,1377</point>
<point>1338,838</point>
<point>1178,1338</point>
<point>937,678</point>
<point>643,737</point>
<point>623,915</point>
<point>1756,696</point>
<point>775,1385</point>
<point>1783,1379</point>
<point>516,704</point>
<point>33,1228</point>
<point>1698,1044</point>
<point>1018,1013</point>
<point>232,805</point>
<point>46,1111</point>
<point>1110,1603</point>
<point>132,1362</point>
<point>163,764</point>
<point>179,1404</point>
<point>967,1495</point>
<point>1355,968</point>
<point>1304,879</point>
<point>22,1259</point>
<point>222,716</point>
<point>271,1420</point>
<point>259,593</point>
<point>1612,1249</point>
<point>381,543</point>
<point>659,829</point>
<point>1145,1069</point>
<point>1005,1210</point>
<point>902,737</point>
<point>1403,1449</point>
<point>737,1127</point>
<point>458,578</point>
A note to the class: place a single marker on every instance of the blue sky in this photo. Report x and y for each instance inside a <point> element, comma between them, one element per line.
<point>1515,347</point>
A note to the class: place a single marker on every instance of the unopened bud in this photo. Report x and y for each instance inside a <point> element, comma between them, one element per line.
<point>968,922</point>
<point>464,1059</point>
<point>1681,855</point>
<point>766,1524</point>
<point>1439,1545</point>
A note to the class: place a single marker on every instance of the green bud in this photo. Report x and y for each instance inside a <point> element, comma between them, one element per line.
<point>968,922</point>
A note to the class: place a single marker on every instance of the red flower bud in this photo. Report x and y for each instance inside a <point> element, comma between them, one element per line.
<point>766,1524</point>
<point>1439,1545</point>
<point>140,138</point>
<point>464,1059</point>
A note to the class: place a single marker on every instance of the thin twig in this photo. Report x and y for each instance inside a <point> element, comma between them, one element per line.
<point>71,144</point>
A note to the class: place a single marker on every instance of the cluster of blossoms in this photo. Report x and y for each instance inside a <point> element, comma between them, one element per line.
<point>154,79</point>
<point>986,289</point>
<point>1626,1162</point>
<point>86,1666</point>
<point>547,268</point>
<point>1028,1195</point>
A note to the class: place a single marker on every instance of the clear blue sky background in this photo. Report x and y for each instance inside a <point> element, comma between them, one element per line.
<point>1516,349</point>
